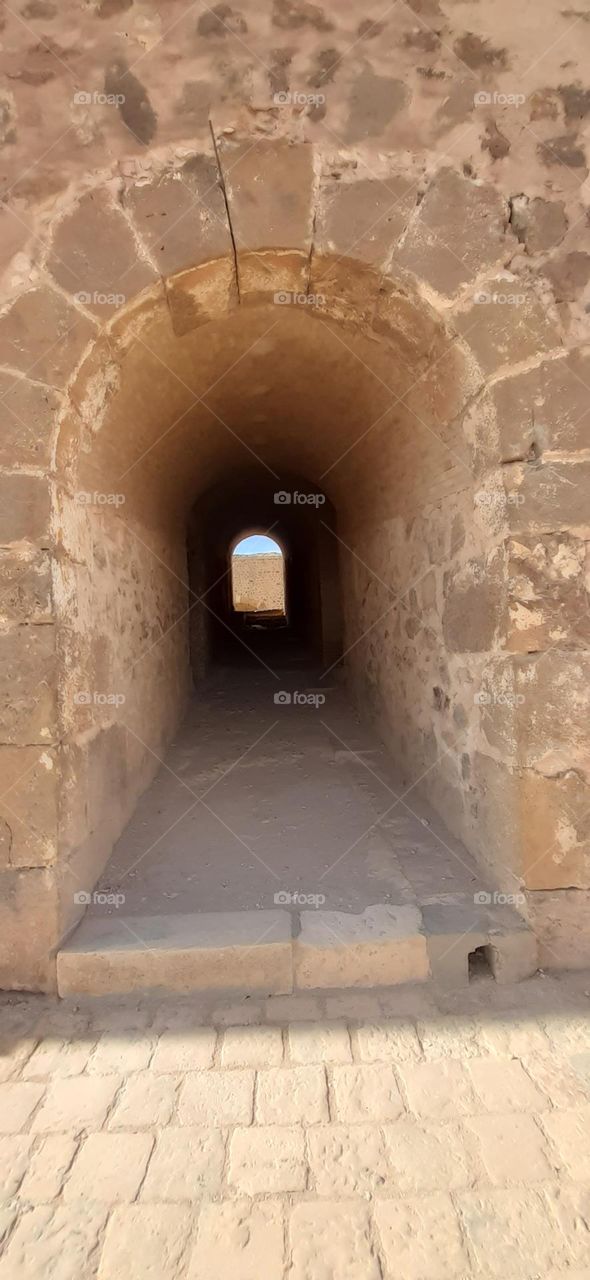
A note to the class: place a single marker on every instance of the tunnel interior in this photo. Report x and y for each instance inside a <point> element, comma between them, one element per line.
<point>352,450</point>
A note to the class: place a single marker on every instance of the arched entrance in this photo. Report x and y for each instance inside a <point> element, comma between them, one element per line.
<point>369,522</point>
<point>344,378</point>
<point>258,580</point>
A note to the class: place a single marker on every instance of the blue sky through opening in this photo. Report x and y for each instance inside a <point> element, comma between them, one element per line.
<point>256,545</point>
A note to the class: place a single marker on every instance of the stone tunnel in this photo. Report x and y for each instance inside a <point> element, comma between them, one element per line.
<point>253,335</point>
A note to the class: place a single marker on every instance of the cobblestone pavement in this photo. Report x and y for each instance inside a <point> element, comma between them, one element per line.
<point>349,1137</point>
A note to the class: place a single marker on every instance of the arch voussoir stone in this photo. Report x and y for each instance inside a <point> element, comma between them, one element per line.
<point>460,229</point>
<point>270,192</point>
<point>43,335</point>
<point>181,216</point>
<point>95,258</point>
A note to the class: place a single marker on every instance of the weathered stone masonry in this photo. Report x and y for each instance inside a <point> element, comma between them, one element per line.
<point>258,581</point>
<point>433,379</point>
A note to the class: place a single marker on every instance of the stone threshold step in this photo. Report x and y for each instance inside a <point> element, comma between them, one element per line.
<point>276,952</point>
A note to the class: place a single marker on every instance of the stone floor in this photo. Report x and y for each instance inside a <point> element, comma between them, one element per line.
<point>258,800</point>
<point>349,1136</point>
<point>278,848</point>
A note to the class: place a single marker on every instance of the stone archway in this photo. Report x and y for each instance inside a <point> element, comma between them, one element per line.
<point>164,374</point>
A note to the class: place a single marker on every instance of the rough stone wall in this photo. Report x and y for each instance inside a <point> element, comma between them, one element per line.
<point>258,582</point>
<point>442,209</point>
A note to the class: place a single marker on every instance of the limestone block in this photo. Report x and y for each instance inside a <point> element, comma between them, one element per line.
<point>400,318</point>
<point>241,1240</point>
<point>319,1041</point>
<point>452,932</point>
<point>27,686</point>
<point>422,1236</point>
<point>25,586</point>
<point>547,495</point>
<point>549,593</point>
<point>146,1100</point>
<point>144,1237</point>
<point>545,407</point>
<point>28,806</point>
<point>23,336</point>
<point>269,191</point>
<point>363,219</point>
<point>539,224</point>
<point>28,413</point>
<point>381,947</point>
<point>186,1164</point>
<point>357,223</point>
<point>459,231</point>
<point>560,921</point>
<point>347,1161</point>
<point>230,950</point>
<point>292,1095</point>
<point>109,1168</point>
<point>251,1047</point>
<point>505,322</point>
<point>474,612</point>
<point>28,930</point>
<point>19,1100</point>
<point>332,1236</point>
<point>366,1092</point>
<point>24,508</point>
<point>201,294</point>
<point>181,215</point>
<point>216,1099</point>
<point>49,1239</point>
<point>555,831</point>
<point>536,711</point>
<point>511,1229</point>
<point>95,257</point>
<point>267,1159</point>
